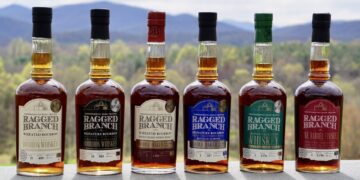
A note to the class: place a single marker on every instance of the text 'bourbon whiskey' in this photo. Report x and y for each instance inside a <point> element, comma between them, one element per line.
<point>154,109</point>
<point>262,108</point>
<point>206,108</point>
<point>318,108</point>
<point>99,108</point>
<point>40,108</point>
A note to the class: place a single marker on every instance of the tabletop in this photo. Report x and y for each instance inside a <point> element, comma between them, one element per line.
<point>350,169</point>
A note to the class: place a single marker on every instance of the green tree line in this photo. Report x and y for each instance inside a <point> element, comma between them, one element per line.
<point>71,67</point>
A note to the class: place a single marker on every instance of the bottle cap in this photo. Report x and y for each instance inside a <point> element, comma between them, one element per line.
<point>321,27</point>
<point>156,26</point>
<point>207,26</point>
<point>263,25</point>
<point>100,23</point>
<point>41,18</point>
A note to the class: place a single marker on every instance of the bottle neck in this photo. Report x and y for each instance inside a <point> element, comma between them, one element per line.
<point>100,59</point>
<point>319,62</point>
<point>155,63</point>
<point>207,64</point>
<point>41,58</point>
<point>263,60</point>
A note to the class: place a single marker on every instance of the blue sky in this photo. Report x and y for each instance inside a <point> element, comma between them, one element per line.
<point>286,12</point>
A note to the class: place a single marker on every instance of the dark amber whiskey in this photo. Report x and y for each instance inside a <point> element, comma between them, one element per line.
<point>99,141</point>
<point>99,108</point>
<point>205,90</point>
<point>210,156</point>
<point>154,109</point>
<point>318,88</point>
<point>40,109</point>
<point>318,109</point>
<point>263,72</point>
<point>262,157</point>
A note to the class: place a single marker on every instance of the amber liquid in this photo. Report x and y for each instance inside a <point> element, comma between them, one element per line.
<point>162,159</point>
<point>263,72</point>
<point>262,88</point>
<point>317,88</point>
<point>99,87</point>
<point>41,86</point>
<point>207,87</point>
<point>155,69</point>
<point>207,69</point>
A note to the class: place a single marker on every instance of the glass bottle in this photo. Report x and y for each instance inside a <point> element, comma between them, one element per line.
<point>262,108</point>
<point>100,107</point>
<point>40,108</point>
<point>206,108</point>
<point>154,109</point>
<point>318,108</point>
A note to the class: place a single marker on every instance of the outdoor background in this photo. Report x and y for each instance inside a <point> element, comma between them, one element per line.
<point>71,32</point>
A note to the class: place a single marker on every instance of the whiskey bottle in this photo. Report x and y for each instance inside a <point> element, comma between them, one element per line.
<point>154,109</point>
<point>318,108</point>
<point>262,108</point>
<point>99,108</point>
<point>40,108</point>
<point>206,108</point>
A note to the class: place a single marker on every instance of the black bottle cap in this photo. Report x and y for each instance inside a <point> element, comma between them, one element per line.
<point>207,26</point>
<point>100,23</point>
<point>321,27</point>
<point>41,18</point>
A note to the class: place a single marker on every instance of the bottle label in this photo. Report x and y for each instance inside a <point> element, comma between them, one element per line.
<point>155,127</point>
<point>40,125</point>
<point>319,130</point>
<point>264,131</point>
<point>100,131</point>
<point>208,134</point>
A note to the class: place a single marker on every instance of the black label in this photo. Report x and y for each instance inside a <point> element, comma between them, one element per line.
<point>99,125</point>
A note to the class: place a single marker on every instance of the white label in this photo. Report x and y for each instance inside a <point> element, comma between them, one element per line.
<point>40,123</point>
<point>319,154</point>
<point>155,120</point>
<point>207,155</point>
<point>100,156</point>
<point>263,155</point>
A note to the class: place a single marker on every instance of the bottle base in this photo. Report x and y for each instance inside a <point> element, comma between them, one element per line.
<point>40,172</point>
<point>206,169</point>
<point>99,171</point>
<point>153,170</point>
<point>318,170</point>
<point>262,168</point>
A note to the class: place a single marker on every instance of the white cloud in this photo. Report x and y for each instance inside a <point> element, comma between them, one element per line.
<point>286,12</point>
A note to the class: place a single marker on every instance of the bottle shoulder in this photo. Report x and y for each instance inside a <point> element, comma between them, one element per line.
<point>41,87</point>
<point>163,88</point>
<point>254,88</point>
<point>109,87</point>
<point>215,88</point>
<point>310,88</point>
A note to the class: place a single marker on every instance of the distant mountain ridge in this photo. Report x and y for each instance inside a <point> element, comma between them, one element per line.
<point>71,24</point>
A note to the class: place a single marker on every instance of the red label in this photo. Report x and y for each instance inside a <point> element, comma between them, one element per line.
<point>156,34</point>
<point>319,125</point>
